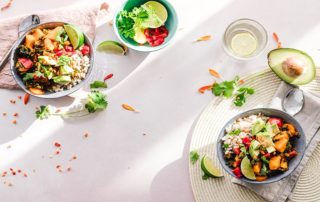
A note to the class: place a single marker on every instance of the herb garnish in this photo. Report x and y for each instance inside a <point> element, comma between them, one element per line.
<point>98,84</point>
<point>230,89</point>
<point>194,156</point>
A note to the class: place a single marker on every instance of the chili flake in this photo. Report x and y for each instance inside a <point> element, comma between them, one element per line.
<point>4,114</point>
<point>15,114</point>
<point>109,76</point>
<point>56,144</point>
<point>26,98</point>
<point>4,173</point>
<point>14,121</point>
<point>19,171</point>
<point>86,135</point>
<point>205,88</point>
<point>25,175</point>
<point>19,97</point>
<point>204,38</point>
<point>277,40</point>
<point>214,73</point>
<point>12,101</point>
<point>128,107</point>
<point>69,169</point>
<point>7,5</point>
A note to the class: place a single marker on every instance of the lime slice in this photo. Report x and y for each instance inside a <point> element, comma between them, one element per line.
<point>246,169</point>
<point>75,35</point>
<point>243,44</point>
<point>209,168</point>
<point>158,13</point>
<point>112,47</point>
<point>139,36</point>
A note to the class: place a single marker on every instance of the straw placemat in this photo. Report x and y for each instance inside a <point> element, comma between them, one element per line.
<point>204,138</point>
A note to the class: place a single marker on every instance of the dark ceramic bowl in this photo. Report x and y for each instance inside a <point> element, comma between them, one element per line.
<point>299,143</point>
<point>47,94</point>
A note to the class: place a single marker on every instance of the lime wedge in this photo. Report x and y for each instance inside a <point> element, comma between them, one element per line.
<point>243,44</point>
<point>157,14</point>
<point>209,168</point>
<point>75,35</point>
<point>112,47</point>
<point>246,169</point>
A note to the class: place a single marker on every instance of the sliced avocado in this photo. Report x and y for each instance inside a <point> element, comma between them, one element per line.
<point>257,127</point>
<point>275,128</point>
<point>278,57</point>
<point>65,70</point>
<point>46,60</point>
<point>265,138</point>
<point>62,79</point>
<point>254,148</point>
<point>272,129</point>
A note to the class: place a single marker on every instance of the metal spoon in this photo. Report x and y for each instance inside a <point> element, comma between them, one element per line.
<point>293,101</point>
<point>24,26</point>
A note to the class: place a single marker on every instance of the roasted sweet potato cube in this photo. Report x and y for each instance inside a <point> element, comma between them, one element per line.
<point>274,163</point>
<point>291,129</point>
<point>30,40</point>
<point>257,168</point>
<point>282,140</point>
<point>37,34</point>
<point>284,163</point>
<point>48,45</point>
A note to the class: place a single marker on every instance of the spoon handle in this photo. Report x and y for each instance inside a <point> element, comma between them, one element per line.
<point>5,59</point>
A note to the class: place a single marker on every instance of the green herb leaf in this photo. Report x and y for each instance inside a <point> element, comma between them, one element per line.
<point>240,98</point>
<point>125,24</point>
<point>224,88</point>
<point>96,101</point>
<point>225,145</point>
<point>194,156</point>
<point>98,84</point>
<point>235,132</point>
<point>43,112</point>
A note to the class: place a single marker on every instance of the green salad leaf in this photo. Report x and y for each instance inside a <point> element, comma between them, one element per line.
<point>194,156</point>
<point>98,84</point>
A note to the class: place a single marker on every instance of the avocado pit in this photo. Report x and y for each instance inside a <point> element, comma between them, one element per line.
<point>293,67</point>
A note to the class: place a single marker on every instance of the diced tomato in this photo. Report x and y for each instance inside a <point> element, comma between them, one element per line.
<point>237,172</point>
<point>267,155</point>
<point>237,163</point>
<point>68,48</point>
<point>85,50</point>
<point>293,154</point>
<point>236,150</point>
<point>59,53</point>
<point>246,141</point>
<point>277,121</point>
<point>155,37</point>
<point>26,62</point>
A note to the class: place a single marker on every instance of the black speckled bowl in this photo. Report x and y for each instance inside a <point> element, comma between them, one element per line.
<point>299,143</point>
<point>47,94</point>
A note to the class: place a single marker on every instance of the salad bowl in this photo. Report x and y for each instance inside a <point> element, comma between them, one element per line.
<point>50,94</point>
<point>171,24</point>
<point>298,143</point>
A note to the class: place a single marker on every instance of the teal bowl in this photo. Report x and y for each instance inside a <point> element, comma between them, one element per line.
<point>171,24</point>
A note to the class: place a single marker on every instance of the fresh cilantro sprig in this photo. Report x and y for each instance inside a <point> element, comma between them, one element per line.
<point>230,89</point>
<point>98,84</point>
<point>95,101</point>
<point>194,157</point>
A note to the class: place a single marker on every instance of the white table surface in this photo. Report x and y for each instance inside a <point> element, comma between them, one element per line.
<point>117,162</point>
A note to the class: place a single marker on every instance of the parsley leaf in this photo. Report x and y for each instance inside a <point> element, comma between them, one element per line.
<point>235,132</point>
<point>96,101</point>
<point>194,156</point>
<point>229,89</point>
<point>98,84</point>
<point>43,112</point>
<point>125,24</point>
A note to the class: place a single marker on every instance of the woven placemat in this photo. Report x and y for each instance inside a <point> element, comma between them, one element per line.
<point>204,139</point>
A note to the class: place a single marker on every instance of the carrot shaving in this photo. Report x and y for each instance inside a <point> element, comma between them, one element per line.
<point>204,88</point>
<point>276,38</point>
<point>214,73</point>
<point>204,38</point>
<point>7,5</point>
<point>26,98</point>
<point>128,107</point>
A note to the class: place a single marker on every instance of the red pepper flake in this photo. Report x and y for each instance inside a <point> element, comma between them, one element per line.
<point>19,171</point>
<point>205,88</point>
<point>19,97</point>
<point>10,184</point>
<point>15,114</point>
<point>25,175</point>
<point>276,38</point>
<point>56,144</point>
<point>14,121</point>
<point>109,76</point>
<point>11,169</point>
<point>4,173</point>
<point>69,169</point>
<point>214,73</point>
<point>57,152</point>
<point>13,173</point>
<point>4,114</point>
<point>73,158</point>
<point>58,166</point>
<point>12,101</point>
<point>86,135</point>
<point>26,98</point>
<point>110,23</point>
<point>204,38</point>
<point>128,107</point>
<point>7,5</point>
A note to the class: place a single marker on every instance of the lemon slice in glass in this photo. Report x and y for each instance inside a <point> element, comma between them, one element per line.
<point>243,44</point>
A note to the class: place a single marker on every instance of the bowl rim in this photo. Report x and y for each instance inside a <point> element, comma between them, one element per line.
<point>275,178</point>
<point>144,48</point>
<point>53,94</point>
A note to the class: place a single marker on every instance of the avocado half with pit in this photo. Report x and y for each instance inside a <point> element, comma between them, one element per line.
<point>292,66</point>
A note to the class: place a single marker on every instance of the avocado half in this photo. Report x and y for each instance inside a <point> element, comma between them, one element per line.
<point>277,56</point>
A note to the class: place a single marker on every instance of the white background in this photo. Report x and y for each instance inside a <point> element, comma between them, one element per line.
<point>117,162</point>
